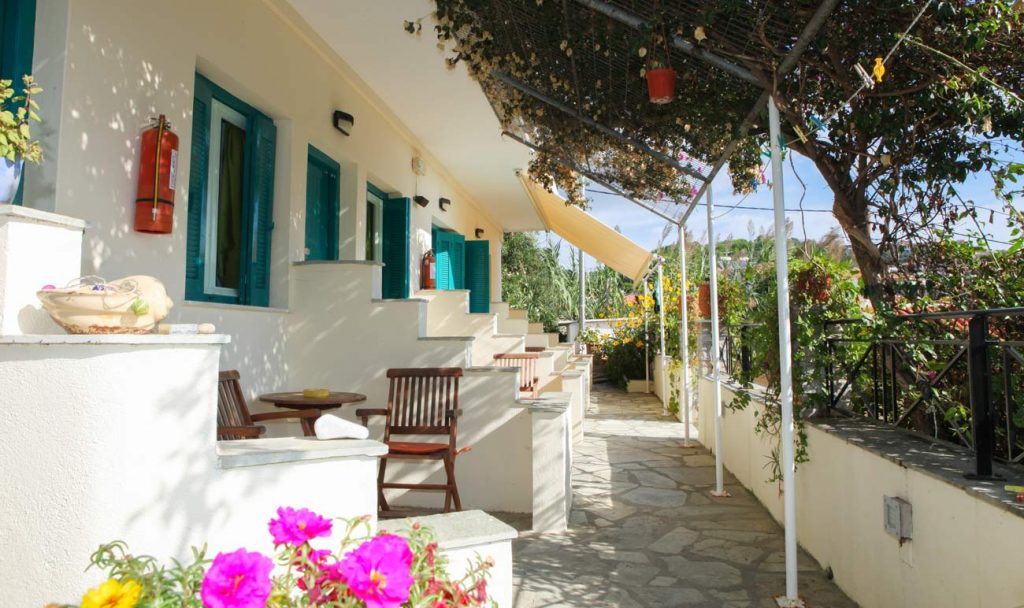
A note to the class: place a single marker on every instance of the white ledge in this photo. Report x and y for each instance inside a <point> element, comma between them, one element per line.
<point>127,339</point>
<point>548,402</point>
<point>36,216</point>
<point>277,450</point>
<point>457,530</point>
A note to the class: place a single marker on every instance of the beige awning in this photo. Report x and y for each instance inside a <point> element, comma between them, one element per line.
<point>588,233</point>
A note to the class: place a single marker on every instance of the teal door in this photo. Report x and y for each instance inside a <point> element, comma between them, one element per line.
<point>478,275</point>
<point>450,257</point>
<point>395,255</point>
<point>322,191</point>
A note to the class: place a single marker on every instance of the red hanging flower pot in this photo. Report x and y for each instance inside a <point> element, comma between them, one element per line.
<point>661,85</point>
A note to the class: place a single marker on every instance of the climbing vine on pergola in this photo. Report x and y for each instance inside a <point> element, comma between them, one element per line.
<point>568,77</point>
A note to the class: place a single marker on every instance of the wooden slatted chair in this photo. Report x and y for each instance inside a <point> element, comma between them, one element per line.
<point>421,401</point>
<point>535,349</point>
<point>527,364</point>
<point>233,418</point>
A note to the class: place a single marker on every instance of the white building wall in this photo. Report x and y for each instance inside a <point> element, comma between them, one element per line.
<point>123,61</point>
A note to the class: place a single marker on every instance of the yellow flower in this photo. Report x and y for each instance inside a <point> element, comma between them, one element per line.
<point>113,594</point>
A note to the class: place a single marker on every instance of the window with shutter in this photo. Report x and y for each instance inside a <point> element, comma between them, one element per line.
<point>231,199</point>
<point>478,275</point>
<point>322,193</point>
<point>395,234</point>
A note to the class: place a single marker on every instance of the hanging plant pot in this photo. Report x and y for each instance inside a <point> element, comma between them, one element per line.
<point>10,178</point>
<point>704,300</point>
<point>661,85</point>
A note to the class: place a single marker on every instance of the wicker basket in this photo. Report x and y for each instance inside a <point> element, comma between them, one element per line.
<point>132,305</point>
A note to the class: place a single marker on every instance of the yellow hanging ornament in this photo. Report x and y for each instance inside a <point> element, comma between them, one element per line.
<point>879,69</point>
<point>699,35</point>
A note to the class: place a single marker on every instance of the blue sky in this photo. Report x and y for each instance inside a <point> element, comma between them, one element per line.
<point>646,229</point>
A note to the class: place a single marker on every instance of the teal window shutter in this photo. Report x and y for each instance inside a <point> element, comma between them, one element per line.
<point>199,173</point>
<point>322,183</point>
<point>443,259</point>
<point>17,42</point>
<point>396,229</point>
<point>263,149</point>
<point>478,275</point>
<point>458,254</point>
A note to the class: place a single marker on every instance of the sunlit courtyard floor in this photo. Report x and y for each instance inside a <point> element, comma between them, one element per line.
<point>645,530</point>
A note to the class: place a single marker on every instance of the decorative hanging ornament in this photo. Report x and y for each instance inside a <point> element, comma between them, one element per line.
<point>879,69</point>
<point>699,35</point>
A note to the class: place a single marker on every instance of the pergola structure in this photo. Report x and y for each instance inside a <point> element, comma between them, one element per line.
<point>576,62</point>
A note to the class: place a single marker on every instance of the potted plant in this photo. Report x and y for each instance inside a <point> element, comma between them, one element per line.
<point>16,143</point>
<point>661,82</point>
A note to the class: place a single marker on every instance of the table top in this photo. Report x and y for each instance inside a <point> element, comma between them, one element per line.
<point>297,399</point>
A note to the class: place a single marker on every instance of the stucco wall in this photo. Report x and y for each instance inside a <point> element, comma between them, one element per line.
<point>117,441</point>
<point>108,66</point>
<point>965,551</point>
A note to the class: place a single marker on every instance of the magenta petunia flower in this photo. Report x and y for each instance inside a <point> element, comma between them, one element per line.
<point>294,527</point>
<point>237,580</point>
<point>379,571</point>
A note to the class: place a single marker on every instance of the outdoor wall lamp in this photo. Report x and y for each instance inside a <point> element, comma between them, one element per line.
<point>443,203</point>
<point>479,232</point>
<point>343,122</point>
<point>421,200</point>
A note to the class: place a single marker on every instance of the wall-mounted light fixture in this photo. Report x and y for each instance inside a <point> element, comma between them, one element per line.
<point>443,203</point>
<point>421,200</point>
<point>479,232</point>
<point>343,121</point>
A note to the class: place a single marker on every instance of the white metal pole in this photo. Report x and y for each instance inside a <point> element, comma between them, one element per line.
<point>647,356</point>
<point>785,359</point>
<point>661,311</point>
<point>583,294</point>
<point>684,341</point>
<point>716,378</point>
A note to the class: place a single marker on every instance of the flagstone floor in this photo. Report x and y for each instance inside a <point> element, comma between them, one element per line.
<point>645,532</point>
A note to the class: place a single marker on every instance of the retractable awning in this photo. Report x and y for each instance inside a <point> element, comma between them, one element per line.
<point>588,233</point>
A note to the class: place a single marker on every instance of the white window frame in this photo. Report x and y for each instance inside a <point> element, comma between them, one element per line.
<point>218,112</point>
<point>377,207</point>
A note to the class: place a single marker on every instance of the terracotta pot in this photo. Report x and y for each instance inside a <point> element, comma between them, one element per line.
<point>661,85</point>
<point>704,300</point>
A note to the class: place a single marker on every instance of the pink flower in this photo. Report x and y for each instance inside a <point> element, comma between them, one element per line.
<point>379,571</point>
<point>237,580</point>
<point>294,527</point>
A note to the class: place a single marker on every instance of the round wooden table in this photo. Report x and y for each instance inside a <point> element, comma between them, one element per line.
<point>298,401</point>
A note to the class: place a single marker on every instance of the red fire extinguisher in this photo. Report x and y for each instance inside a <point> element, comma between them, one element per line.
<point>158,170</point>
<point>428,270</point>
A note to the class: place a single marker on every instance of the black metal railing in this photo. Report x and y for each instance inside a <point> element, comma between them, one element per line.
<point>953,376</point>
<point>735,354</point>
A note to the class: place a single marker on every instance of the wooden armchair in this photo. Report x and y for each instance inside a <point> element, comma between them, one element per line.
<point>421,401</point>
<point>527,364</point>
<point>233,418</point>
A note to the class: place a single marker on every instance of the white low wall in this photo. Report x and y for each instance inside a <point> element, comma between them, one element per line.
<point>114,437</point>
<point>466,537</point>
<point>36,249</point>
<point>965,552</point>
<point>448,315</point>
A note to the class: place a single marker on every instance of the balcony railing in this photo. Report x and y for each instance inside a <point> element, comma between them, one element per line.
<point>951,376</point>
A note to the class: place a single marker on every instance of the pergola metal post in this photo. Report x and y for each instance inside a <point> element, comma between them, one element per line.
<point>647,356</point>
<point>660,291</point>
<point>785,360</point>
<point>684,342</point>
<point>583,294</point>
<point>716,377</point>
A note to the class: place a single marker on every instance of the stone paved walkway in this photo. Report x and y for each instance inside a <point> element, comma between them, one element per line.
<point>646,532</point>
